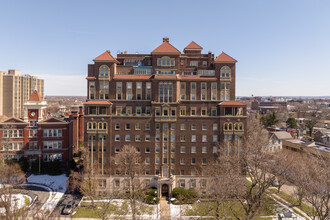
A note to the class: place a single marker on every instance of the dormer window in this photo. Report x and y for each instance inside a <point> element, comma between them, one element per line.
<point>104,71</point>
<point>165,61</point>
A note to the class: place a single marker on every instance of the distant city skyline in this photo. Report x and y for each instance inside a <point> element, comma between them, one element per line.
<point>282,47</point>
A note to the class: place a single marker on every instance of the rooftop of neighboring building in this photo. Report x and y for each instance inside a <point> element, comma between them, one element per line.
<point>282,135</point>
<point>311,144</point>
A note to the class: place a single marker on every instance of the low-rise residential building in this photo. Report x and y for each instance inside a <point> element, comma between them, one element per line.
<point>322,136</point>
<point>276,139</point>
<point>301,146</point>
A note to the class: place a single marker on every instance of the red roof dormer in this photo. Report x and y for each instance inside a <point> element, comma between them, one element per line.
<point>35,96</point>
<point>106,56</point>
<point>223,57</point>
<point>193,46</point>
<point>166,47</point>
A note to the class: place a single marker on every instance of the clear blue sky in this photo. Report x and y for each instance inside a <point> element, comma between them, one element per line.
<point>283,46</point>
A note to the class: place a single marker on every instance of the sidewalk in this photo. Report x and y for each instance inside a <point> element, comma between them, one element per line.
<point>165,210</point>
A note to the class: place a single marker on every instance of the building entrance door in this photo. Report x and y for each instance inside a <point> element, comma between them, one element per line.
<point>165,190</point>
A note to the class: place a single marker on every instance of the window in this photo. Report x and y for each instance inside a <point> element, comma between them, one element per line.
<point>193,149</point>
<point>119,90</point>
<point>182,183</point>
<point>203,184</point>
<point>157,160</point>
<point>117,149</point>
<point>104,71</point>
<point>193,183</point>
<point>157,137</point>
<point>203,161</point>
<point>172,149</point>
<point>147,149</point>
<point>214,150</point>
<point>147,138</point>
<point>193,111</point>
<point>183,91</point>
<point>204,63</point>
<point>193,63</point>
<point>118,110</point>
<point>204,150</point>
<point>117,137</point>
<point>215,127</point>
<point>215,138</point>
<point>193,138</point>
<point>182,111</point>
<point>193,91</point>
<point>147,160</point>
<point>204,138</point>
<point>139,90</point>
<point>52,132</point>
<point>193,172</point>
<point>214,111</point>
<point>193,161</point>
<point>127,138</point>
<point>148,91</point>
<point>182,138</point>
<point>193,126</point>
<point>157,149</point>
<point>204,111</point>
<point>138,110</point>
<point>173,126</point>
<point>165,92</point>
<point>129,95</point>
<point>148,110</point>
<point>127,126</point>
<point>204,127</point>
<point>225,72</point>
<point>165,61</point>
<point>137,138</point>
<point>183,127</point>
<point>137,126</point>
<point>214,91</point>
<point>182,161</point>
<point>147,127</point>
<point>183,149</point>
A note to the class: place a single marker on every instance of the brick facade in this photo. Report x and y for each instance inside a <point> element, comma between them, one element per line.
<point>174,107</point>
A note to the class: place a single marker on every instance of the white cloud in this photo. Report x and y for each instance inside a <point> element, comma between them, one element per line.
<point>64,85</point>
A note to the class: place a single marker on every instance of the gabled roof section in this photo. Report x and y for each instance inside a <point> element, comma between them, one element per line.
<point>52,120</point>
<point>225,58</point>
<point>13,120</point>
<point>105,57</point>
<point>193,46</point>
<point>165,47</point>
<point>35,96</point>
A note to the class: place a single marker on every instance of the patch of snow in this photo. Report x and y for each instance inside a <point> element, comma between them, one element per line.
<point>17,201</point>
<point>56,185</point>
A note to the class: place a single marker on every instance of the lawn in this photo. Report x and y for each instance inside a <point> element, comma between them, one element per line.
<point>118,208</point>
<point>209,209</point>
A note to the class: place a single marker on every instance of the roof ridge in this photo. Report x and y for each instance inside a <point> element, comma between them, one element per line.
<point>166,47</point>
<point>193,45</point>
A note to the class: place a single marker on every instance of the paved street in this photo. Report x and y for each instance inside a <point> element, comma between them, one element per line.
<point>65,199</point>
<point>39,194</point>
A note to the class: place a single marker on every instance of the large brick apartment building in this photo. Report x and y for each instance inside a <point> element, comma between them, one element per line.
<point>174,107</point>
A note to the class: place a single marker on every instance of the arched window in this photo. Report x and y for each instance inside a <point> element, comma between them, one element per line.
<point>241,126</point>
<point>94,125</point>
<point>230,127</point>
<point>104,71</point>
<point>104,125</point>
<point>236,126</point>
<point>89,125</point>
<point>100,125</point>
<point>225,72</point>
<point>225,126</point>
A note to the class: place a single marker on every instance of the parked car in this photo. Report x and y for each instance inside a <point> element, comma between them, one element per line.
<point>67,210</point>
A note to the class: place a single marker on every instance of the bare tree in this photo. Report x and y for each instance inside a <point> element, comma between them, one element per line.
<point>10,176</point>
<point>312,180</point>
<point>222,173</point>
<point>129,163</point>
<point>89,186</point>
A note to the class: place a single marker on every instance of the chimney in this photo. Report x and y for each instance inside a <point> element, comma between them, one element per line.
<point>126,52</point>
<point>166,39</point>
<point>108,51</point>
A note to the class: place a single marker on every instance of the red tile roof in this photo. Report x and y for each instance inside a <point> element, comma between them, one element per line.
<point>35,96</point>
<point>232,103</point>
<point>223,57</point>
<point>193,45</point>
<point>97,103</point>
<point>106,56</point>
<point>165,47</point>
<point>90,77</point>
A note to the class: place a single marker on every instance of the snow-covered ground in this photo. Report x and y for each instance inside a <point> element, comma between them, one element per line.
<point>17,201</point>
<point>56,185</point>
